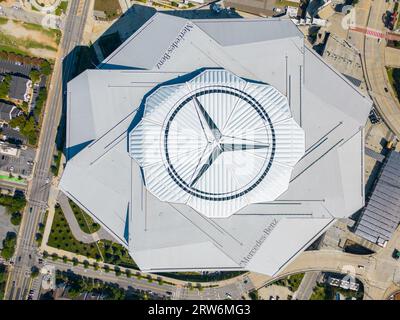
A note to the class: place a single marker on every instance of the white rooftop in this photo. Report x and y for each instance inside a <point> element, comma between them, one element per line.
<point>217,143</point>
<point>116,143</point>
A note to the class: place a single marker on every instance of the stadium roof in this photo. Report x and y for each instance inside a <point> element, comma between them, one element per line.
<point>106,107</point>
<point>217,143</point>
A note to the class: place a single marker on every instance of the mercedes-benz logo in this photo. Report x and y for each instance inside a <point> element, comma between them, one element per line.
<point>219,140</point>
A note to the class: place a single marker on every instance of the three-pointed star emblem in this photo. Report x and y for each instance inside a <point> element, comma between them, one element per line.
<point>217,143</point>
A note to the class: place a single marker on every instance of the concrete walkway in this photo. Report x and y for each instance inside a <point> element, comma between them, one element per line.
<point>73,223</point>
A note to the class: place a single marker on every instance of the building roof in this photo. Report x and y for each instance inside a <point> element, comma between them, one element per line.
<point>217,143</point>
<point>18,87</point>
<point>258,7</point>
<point>8,111</point>
<point>381,216</point>
<point>104,106</point>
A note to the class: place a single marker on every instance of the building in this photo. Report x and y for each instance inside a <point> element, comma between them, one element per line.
<point>9,149</point>
<point>215,145</point>
<point>8,112</point>
<point>256,7</point>
<point>381,216</point>
<point>19,88</point>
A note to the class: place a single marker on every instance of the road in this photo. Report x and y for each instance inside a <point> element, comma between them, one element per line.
<point>307,285</point>
<point>38,190</point>
<point>22,15</point>
<point>234,290</point>
<point>374,63</point>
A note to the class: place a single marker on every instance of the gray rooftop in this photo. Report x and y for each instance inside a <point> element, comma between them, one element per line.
<point>18,87</point>
<point>381,216</point>
<point>100,176</point>
<point>8,111</point>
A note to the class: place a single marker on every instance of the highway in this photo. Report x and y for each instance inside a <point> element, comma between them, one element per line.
<point>38,190</point>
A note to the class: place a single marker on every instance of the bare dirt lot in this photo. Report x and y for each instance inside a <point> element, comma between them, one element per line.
<point>30,38</point>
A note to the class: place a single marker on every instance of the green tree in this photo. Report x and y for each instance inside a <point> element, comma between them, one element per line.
<point>45,68</point>
<point>13,203</point>
<point>5,86</point>
<point>16,218</point>
<point>25,107</point>
<point>34,272</point>
<point>34,75</point>
<point>9,245</point>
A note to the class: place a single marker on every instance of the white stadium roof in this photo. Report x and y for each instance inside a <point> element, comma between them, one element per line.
<point>137,130</point>
<point>217,143</point>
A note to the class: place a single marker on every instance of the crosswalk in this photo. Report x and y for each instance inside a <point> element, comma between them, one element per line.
<point>376,33</point>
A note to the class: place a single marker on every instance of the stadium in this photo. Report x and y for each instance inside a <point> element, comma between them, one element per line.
<point>215,146</point>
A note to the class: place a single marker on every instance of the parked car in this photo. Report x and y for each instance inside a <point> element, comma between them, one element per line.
<point>396,254</point>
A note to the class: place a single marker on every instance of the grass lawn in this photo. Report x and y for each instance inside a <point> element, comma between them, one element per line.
<point>199,277</point>
<point>292,282</point>
<point>61,238</point>
<point>14,50</point>
<point>319,293</point>
<point>11,41</point>
<point>114,253</point>
<point>43,39</point>
<point>52,33</point>
<point>86,223</point>
<point>394,79</point>
<point>62,8</point>
<point>13,179</point>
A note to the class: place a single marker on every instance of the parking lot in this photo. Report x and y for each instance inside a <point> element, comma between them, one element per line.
<point>18,166</point>
<point>5,225</point>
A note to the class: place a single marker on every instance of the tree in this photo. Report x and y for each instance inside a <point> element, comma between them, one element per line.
<point>34,75</point>
<point>34,272</point>
<point>65,259</point>
<point>25,107</point>
<point>9,245</point>
<point>16,218</point>
<point>75,261</point>
<point>86,264</point>
<point>5,86</point>
<point>39,237</point>
<point>13,203</point>
<point>54,256</point>
<point>45,67</point>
